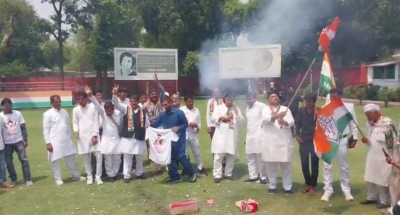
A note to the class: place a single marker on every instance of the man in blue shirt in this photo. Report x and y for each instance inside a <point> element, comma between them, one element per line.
<point>175,119</point>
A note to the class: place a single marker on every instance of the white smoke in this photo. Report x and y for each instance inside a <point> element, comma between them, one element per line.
<point>285,22</point>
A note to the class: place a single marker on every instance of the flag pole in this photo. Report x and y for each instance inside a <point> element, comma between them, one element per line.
<point>301,83</point>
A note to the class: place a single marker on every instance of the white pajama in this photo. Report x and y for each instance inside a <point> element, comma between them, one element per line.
<point>88,166</point>
<point>127,167</point>
<point>272,169</point>
<point>71,163</point>
<point>230,162</point>
<point>112,164</point>
<point>344,169</point>
<point>194,145</point>
<point>256,166</point>
<point>378,193</point>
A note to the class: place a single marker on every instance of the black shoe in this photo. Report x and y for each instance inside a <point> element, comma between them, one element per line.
<point>193,178</point>
<point>115,178</point>
<point>381,205</point>
<point>217,180</point>
<point>368,202</point>
<point>230,178</point>
<point>127,180</point>
<point>264,181</point>
<point>184,173</point>
<point>142,176</point>
<point>111,179</point>
<point>288,192</point>
<point>170,181</point>
<point>202,171</point>
<point>251,180</point>
<point>272,191</point>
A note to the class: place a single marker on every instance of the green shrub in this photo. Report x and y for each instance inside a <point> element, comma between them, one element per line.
<point>372,91</point>
<point>384,95</point>
<point>361,94</point>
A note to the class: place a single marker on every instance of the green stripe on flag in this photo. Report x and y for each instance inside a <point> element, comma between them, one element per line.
<point>325,83</point>
<point>319,56</point>
<point>328,157</point>
<point>343,121</point>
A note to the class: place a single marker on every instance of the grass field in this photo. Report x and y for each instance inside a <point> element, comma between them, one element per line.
<point>152,196</point>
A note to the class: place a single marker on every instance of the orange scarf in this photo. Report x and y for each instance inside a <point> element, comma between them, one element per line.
<point>131,118</point>
<point>212,104</point>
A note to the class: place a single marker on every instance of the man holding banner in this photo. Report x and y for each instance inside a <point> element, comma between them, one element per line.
<point>349,126</point>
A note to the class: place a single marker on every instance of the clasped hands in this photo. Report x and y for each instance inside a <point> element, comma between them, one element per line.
<point>279,117</point>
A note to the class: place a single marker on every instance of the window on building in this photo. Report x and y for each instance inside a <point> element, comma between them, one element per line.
<point>384,72</point>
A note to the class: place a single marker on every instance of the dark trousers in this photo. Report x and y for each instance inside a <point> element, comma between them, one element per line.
<point>178,155</point>
<point>20,150</point>
<point>307,151</point>
<point>396,210</point>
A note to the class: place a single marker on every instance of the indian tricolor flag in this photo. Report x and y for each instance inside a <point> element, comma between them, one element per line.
<point>326,80</point>
<point>325,37</point>
<point>332,120</point>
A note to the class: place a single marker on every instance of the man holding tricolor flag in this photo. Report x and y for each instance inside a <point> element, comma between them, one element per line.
<point>334,122</point>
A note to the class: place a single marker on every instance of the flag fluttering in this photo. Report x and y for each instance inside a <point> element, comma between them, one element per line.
<point>332,120</point>
<point>326,80</point>
<point>325,37</point>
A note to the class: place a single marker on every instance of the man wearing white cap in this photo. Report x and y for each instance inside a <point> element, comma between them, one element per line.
<point>381,135</point>
<point>344,144</point>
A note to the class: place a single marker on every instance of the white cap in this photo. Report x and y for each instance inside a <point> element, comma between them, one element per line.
<point>271,83</point>
<point>166,93</point>
<point>371,107</point>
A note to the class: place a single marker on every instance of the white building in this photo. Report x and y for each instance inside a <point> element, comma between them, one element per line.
<point>385,74</point>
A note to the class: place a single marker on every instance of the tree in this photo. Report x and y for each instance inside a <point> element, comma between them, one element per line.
<point>59,19</point>
<point>22,35</point>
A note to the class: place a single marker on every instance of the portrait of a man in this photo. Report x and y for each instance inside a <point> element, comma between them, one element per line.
<point>158,141</point>
<point>263,60</point>
<point>127,62</point>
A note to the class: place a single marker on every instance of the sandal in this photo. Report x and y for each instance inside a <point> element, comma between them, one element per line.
<point>311,191</point>
<point>7,185</point>
<point>305,189</point>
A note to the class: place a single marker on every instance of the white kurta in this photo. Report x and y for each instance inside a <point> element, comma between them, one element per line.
<point>130,145</point>
<point>277,144</point>
<point>377,171</point>
<point>110,138</point>
<point>85,121</point>
<point>254,128</point>
<point>225,138</point>
<point>57,132</point>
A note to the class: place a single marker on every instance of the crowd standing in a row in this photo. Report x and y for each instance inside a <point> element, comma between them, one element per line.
<point>124,130</point>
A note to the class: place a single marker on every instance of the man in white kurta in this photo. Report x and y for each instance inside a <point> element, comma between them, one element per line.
<point>256,167</point>
<point>344,145</point>
<point>59,144</point>
<point>224,142</point>
<point>85,123</point>
<point>377,172</point>
<point>133,134</point>
<point>110,139</point>
<point>192,131</point>
<point>277,146</point>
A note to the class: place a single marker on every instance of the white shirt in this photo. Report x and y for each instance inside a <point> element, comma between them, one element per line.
<point>11,127</point>
<point>192,115</point>
<point>211,104</point>
<point>160,144</point>
<point>125,102</point>
<point>254,127</point>
<point>1,136</point>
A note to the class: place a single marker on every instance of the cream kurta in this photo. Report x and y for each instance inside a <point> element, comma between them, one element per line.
<point>85,121</point>
<point>57,132</point>
<point>110,139</point>
<point>225,138</point>
<point>377,171</point>
<point>277,144</point>
<point>254,128</point>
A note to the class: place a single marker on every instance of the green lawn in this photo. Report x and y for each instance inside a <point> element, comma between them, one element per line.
<point>152,197</point>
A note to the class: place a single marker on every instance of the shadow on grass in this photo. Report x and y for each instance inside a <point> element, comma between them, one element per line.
<point>2,192</point>
<point>240,170</point>
<point>336,209</point>
<point>39,178</point>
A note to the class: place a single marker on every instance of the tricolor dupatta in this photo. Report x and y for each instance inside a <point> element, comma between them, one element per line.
<point>131,118</point>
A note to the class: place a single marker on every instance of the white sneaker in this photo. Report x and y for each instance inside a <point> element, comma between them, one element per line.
<point>348,196</point>
<point>80,178</point>
<point>89,180</point>
<point>326,196</point>
<point>99,181</point>
<point>59,182</point>
<point>29,183</point>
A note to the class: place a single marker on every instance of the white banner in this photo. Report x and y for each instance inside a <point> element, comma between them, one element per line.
<point>141,64</point>
<point>252,62</point>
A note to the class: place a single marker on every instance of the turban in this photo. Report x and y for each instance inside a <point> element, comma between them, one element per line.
<point>371,107</point>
